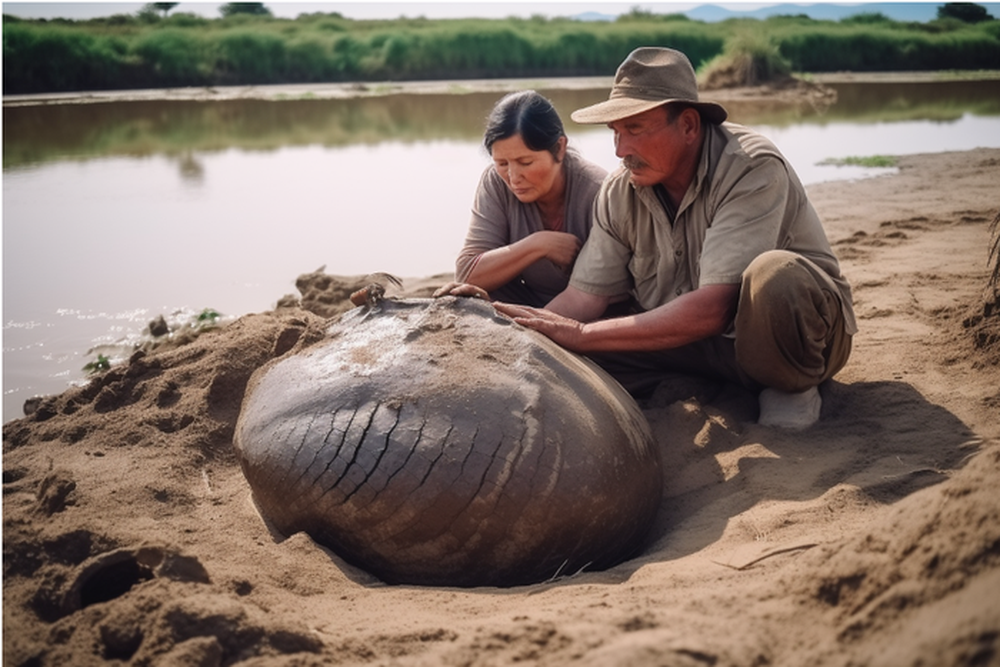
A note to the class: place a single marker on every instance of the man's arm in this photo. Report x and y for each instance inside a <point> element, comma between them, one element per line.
<point>707,311</point>
<point>578,305</point>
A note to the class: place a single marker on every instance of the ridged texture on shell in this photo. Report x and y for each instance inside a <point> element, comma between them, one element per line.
<point>435,442</point>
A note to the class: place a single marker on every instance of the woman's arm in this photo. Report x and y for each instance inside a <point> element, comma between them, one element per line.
<point>497,267</point>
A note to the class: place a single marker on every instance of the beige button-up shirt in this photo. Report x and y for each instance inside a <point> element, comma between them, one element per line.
<point>745,199</point>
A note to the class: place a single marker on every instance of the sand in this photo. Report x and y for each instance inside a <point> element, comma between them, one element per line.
<point>872,538</point>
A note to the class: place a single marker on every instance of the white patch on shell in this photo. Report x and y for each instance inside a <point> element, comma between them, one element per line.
<point>368,350</point>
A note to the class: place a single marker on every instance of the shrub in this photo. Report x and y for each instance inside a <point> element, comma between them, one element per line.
<point>172,57</point>
<point>866,18</point>
<point>121,20</point>
<point>990,29</point>
<point>748,59</point>
<point>52,58</point>
<point>858,49</point>
<point>185,20</point>
<point>250,57</point>
<point>310,60</point>
<point>348,53</point>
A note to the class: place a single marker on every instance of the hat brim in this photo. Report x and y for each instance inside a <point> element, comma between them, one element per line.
<point>617,108</point>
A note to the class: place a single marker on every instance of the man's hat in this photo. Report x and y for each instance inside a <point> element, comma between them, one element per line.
<point>650,77</point>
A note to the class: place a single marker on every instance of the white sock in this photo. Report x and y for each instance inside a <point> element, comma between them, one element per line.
<point>786,410</point>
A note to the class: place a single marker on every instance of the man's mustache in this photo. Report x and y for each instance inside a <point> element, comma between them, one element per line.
<point>631,162</point>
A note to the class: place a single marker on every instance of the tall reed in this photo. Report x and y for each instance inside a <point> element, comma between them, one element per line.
<point>878,48</point>
<point>126,51</point>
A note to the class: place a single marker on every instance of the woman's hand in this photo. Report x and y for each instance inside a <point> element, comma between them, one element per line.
<point>497,267</point>
<point>461,289</point>
<point>560,248</point>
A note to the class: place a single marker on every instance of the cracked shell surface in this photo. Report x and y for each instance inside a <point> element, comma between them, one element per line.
<point>435,442</point>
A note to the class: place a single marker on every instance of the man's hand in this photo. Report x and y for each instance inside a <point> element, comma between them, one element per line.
<point>461,289</point>
<point>704,312</point>
<point>563,330</point>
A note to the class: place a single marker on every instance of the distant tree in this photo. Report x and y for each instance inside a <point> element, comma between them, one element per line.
<point>164,7</point>
<point>148,14</point>
<point>866,18</point>
<point>252,8</point>
<point>969,12</point>
<point>637,13</point>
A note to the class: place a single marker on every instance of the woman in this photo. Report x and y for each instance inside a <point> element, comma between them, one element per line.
<point>533,207</point>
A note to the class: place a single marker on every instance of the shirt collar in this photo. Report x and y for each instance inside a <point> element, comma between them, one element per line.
<point>711,145</point>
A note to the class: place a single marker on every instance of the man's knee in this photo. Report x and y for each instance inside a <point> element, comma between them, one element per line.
<point>774,273</point>
<point>787,321</point>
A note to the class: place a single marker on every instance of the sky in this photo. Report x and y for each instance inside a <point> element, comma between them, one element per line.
<point>375,10</point>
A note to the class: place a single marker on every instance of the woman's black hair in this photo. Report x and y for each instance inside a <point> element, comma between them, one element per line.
<point>528,114</point>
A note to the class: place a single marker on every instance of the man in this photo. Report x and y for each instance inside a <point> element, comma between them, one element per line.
<point>707,228</point>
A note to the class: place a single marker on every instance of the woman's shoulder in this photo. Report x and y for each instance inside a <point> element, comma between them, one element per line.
<point>584,168</point>
<point>491,184</point>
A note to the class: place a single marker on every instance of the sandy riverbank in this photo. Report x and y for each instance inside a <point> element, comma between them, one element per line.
<point>372,89</point>
<point>871,538</point>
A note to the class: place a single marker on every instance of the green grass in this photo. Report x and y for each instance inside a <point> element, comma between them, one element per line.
<point>881,161</point>
<point>146,50</point>
<point>99,365</point>
<point>207,317</point>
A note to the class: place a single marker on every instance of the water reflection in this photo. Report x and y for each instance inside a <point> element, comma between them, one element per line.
<point>192,170</point>
<point>893,102</point>
<point>40,134</point>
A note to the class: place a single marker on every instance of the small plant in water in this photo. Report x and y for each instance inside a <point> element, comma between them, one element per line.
<point>101,364</point>
<point>208,317</point>
<point>855,161</point>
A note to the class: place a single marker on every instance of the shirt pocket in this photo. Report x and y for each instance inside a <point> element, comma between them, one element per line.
<point>644,270</point>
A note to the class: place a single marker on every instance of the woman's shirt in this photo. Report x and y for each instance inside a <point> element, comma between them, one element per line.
<point>500,219</point>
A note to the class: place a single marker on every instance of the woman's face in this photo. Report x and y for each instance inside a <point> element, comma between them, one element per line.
<point>530,175</point>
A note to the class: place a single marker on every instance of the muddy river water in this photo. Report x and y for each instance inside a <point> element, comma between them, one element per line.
<point>116,212</point>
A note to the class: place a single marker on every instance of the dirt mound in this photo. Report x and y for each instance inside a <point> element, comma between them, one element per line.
<point>130,535</point>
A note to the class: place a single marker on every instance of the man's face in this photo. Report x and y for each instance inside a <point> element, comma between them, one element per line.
<point>649,146</point>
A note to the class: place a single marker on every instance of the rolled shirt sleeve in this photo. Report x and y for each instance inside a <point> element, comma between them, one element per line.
<point>489,227</point>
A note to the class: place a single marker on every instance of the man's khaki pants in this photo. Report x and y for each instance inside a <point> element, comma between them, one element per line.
<point>789,335</point>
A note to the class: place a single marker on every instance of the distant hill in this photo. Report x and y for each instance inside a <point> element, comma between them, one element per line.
<point>594,16</point>
<point>898,11</point>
